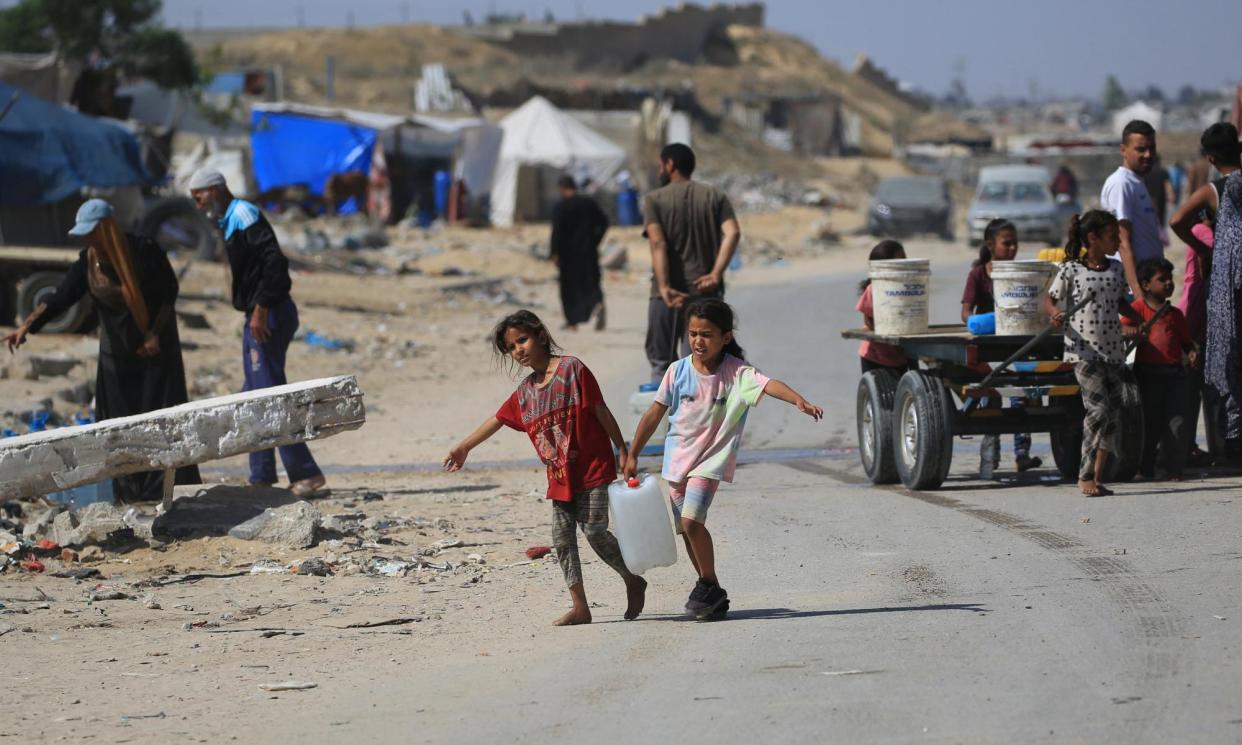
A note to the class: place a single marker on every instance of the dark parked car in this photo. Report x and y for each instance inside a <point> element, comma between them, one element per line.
<point>905,205</point>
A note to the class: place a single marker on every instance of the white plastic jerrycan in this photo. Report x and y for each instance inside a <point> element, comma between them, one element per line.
<point>640,519</point>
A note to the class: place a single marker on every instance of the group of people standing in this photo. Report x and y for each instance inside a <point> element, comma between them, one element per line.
<point>134,289</point>
<point>1185,353</point>
<point>1115,273</point>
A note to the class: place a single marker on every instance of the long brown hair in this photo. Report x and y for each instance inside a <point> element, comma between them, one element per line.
<point>113,249</point>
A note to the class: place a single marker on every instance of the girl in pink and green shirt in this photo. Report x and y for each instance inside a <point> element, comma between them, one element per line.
<point>706,397</point>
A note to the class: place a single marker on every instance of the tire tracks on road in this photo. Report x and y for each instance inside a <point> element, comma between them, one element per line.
<point>1151,623</point>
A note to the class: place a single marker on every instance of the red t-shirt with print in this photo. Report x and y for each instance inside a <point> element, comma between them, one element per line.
<point>1166,340</point>
<point>560,420</point>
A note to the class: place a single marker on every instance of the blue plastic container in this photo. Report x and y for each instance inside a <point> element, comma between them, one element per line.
<point>627,208</point>
<point>982,323</point>
<point>80,496</point>
<point>443,183</point>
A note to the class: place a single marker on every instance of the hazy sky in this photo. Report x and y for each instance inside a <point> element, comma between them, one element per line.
<point>1002,47</point>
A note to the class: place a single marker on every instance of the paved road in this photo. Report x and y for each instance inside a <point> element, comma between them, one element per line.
<point>1000,612</point>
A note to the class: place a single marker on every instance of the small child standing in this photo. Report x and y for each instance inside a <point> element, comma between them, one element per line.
<point>707,397</point>
<point>1093,340</point>
<point>560,407</point>
<point>874,354</point>
<point>1000,243</point>
<point>1158,366</point>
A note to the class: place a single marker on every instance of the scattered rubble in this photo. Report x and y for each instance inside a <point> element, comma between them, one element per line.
<point>95,524</point>
<point>295,526</point>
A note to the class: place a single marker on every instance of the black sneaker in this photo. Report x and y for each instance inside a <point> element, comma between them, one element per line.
<point>720,613</point>
<point>711,601</point>
<point>697,594</point>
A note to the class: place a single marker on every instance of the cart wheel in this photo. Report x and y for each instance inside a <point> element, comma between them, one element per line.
<point>1123,464</point>
<point>922,437</point>
<point>1067,441</point>
<point>874,414</point>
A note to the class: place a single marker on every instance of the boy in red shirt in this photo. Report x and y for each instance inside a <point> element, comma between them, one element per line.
<point>1158,366</point>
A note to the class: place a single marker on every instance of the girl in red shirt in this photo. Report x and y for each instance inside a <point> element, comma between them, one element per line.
<point>560,407</point>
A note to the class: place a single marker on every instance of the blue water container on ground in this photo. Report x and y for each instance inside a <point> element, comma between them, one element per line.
<point>443,183</point>
<point>627,208</point>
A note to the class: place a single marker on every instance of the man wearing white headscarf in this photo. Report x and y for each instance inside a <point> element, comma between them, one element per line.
<point>261,286</point>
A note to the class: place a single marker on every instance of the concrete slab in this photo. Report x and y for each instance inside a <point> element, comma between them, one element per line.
<point>184,435</point>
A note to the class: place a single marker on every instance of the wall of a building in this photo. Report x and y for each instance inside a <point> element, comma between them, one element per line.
<point>676,33</point>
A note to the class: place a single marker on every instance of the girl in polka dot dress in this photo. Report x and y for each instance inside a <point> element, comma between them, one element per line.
<point>1094,339</point>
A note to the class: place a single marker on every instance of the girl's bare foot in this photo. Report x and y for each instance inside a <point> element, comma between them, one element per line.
<point>1094,489</point>
<point>635,596</point>
<point>574,617</point>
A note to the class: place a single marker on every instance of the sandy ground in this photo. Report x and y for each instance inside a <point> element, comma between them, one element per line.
<point>421,356</point>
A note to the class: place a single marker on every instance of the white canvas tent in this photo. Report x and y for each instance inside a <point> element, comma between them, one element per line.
<point>539,134</point>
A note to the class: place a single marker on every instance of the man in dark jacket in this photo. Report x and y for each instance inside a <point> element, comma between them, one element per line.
<point>261,287</point>
<point>578,226</point>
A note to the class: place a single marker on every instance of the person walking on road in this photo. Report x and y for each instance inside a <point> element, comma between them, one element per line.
<point>1126,197</point>
<point>693,233</point>
<point>560,407</point>
<point>706,396</point>
<point>261,286</point>
<point>578,226</point>
<point>133,289</point>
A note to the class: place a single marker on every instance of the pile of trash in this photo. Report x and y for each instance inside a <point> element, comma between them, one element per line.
<point>36,538</point>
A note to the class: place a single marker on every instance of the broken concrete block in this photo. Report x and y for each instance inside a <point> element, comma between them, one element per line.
<point>80,394</point>
<point>190,320</point>
<point>46,462</point>
<point>94,524</point>
<point>215,510</point>
<point>48,365</point>
<point>295,525</point>
<point>41,527</point>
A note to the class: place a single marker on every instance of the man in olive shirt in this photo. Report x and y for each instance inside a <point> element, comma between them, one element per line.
<point>693,233</point>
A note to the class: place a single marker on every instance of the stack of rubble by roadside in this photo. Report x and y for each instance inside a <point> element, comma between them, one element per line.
<point>45,538</point>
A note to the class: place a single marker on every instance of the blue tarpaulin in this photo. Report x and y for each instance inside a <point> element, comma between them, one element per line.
<point>48,153</point>
<point>289,149</point>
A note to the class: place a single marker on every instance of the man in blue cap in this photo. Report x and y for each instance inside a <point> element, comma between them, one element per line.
<point>261,286</point>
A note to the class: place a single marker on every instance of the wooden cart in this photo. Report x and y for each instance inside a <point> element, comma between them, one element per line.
<point>907,422</point>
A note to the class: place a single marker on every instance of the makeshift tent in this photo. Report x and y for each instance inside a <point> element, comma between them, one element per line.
<point>291,149</point>
<point>538,134</point>
<point>300,144</point>
<point>49,153</point>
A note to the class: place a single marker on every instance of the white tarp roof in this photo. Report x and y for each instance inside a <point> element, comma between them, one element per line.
<point>538,133</point>
<point>372,119</point>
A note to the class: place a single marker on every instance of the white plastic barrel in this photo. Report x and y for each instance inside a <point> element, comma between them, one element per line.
<point>639,403</point>
<point>899,289</point>
<point>1019,287</point>
<point>640,519</point>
